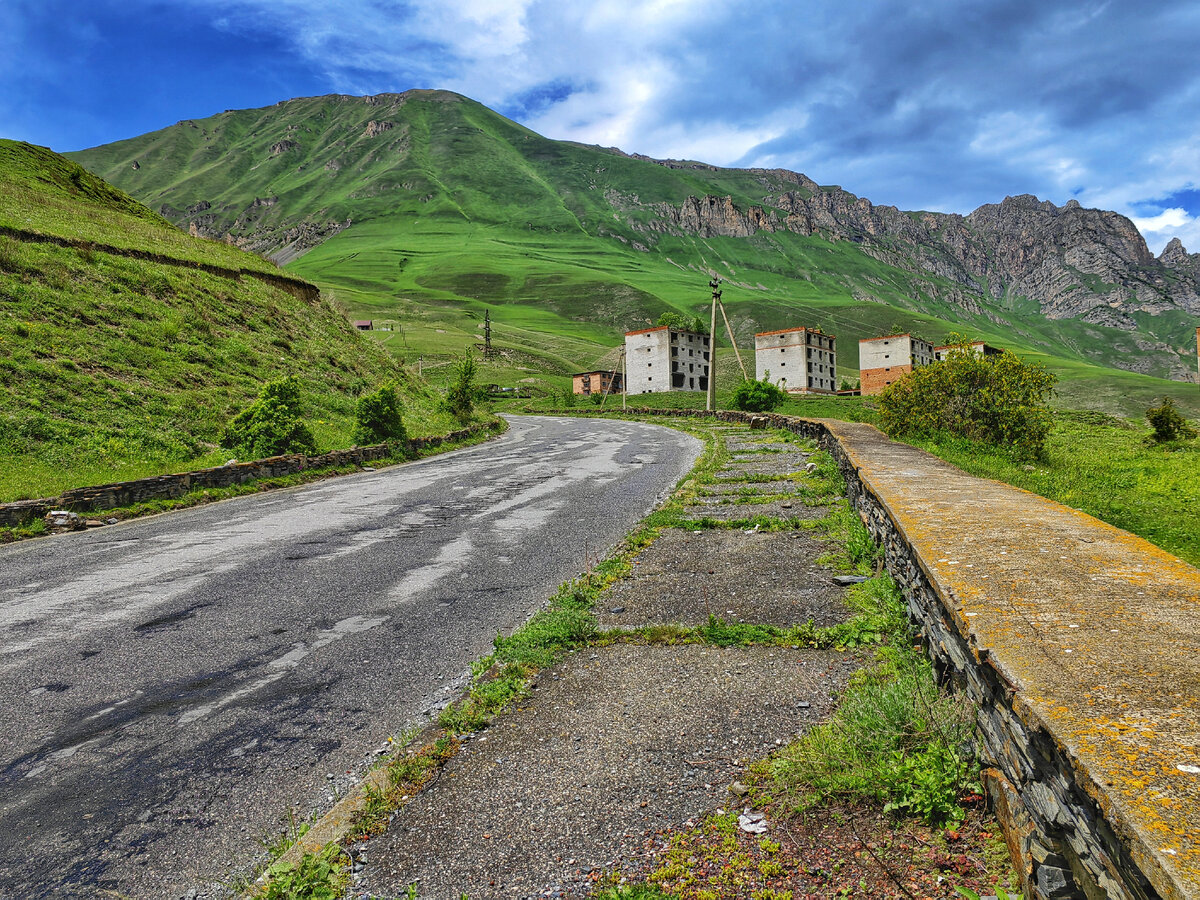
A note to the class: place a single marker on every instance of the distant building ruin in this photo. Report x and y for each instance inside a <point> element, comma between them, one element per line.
<point>598,382</point>
<point>883,360</point>
<point>980,348</point>
<point>666,359</point>
<point>797,360</point>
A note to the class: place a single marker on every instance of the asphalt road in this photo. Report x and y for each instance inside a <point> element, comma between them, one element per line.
<point>174,686</point>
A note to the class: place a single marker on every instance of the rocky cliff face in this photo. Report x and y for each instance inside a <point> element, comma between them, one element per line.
<point>1079,263</point>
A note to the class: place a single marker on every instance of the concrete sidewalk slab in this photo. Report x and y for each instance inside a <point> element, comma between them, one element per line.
<point>769,578</point>
<point>615,745</point>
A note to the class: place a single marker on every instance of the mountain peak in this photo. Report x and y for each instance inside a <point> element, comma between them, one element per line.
<point>1174,253</point>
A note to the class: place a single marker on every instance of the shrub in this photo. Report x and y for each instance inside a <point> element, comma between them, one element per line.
<point>757,396</point>
<point>460,398</point>
<point>1167,423</point>
<point>271,424</point>
<point>680,322</point>
<point>997,400</point>
<point>377,417</point>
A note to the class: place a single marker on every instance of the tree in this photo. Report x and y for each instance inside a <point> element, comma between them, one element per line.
<point>378,417</point>
<point>460,398</point>
<point>995,399</point>
<point>271,424</point>
<point>757,396</point>
<point>1168,423</point>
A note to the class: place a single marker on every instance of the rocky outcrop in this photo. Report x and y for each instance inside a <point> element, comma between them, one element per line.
<point>1081,263</point>
<point>374,129</point>
<point>281,147</point>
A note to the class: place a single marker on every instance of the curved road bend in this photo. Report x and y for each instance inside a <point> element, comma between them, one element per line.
<point>173,686</point>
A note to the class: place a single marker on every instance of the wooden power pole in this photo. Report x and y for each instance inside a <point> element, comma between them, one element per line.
<point>711,402</point>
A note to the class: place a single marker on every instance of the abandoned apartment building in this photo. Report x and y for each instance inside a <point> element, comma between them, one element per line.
<point>798,360</point>
<point>598,382</point>
<point>979,347</point>
<point>666,359</point>
<point>883,360</point>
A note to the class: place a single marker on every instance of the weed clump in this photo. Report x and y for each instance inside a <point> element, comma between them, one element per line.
<point>377,417</point>
<point>271,424</point>
<point>896,738</point>
<point>996,400</point>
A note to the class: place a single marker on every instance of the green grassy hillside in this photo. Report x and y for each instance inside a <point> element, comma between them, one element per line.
<point>116,366</point>
<point>426,209</point>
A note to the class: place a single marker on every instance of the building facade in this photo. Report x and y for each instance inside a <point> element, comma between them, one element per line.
<point>598,382</point>
<point>980,348</point>
<point>883,360</point>
<point>664,359</point>
<point>798,360</point>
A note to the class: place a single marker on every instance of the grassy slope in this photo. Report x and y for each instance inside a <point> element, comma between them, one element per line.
<point>456,210</point>
<point>116,367</point>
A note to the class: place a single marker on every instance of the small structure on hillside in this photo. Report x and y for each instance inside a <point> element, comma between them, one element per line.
<point>798,360</point>
<point>602,381</point>
<point>980,348</point>
<point>883,360</point>
<point>364,324</point>
<point>666,359</point>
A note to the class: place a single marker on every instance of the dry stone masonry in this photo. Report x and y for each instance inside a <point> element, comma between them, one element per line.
<point>172,487</point>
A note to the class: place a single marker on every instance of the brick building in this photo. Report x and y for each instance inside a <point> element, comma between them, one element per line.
<point>798,360</point>
<point>666,359</point>
<point>598,382</point>
<point>883,360</point>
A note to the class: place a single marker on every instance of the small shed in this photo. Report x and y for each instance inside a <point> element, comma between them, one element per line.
<point>364,324</point>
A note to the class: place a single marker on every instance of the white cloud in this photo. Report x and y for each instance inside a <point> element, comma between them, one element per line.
<point>1170,223</point>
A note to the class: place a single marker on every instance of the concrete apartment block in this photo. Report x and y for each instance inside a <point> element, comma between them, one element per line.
<point>980,348</point>
<point>798,360</point>
<point>663,359</point>
<point>598,382</point>
<point>882,360</point>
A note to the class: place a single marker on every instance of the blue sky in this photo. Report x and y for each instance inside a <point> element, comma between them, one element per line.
<point>941,105</point>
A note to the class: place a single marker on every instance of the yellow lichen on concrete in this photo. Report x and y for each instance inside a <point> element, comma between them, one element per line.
<point>1096,629</point>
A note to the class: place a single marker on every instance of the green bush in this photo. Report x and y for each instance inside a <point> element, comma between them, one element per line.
<point>377,417</point>
<point>1167,423</point>
<point>997,400</point>
<point>460,398</point>
<point>271,424</point>
<point>757,396</point>
<point>680,322</point>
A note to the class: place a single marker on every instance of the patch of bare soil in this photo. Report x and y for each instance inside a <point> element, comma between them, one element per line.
<point>831,852</point>
<point>614,747</point>
<point>769,578</point>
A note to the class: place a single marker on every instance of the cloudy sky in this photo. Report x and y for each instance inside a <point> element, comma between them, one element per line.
<point>940,105</point>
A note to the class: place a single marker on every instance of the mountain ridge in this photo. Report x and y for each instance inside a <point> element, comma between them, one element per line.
<point>308,172</point>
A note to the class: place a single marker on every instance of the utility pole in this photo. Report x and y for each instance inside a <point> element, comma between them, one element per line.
<point>625,377</point>
<point>711,402</point>
<point>487,333</point>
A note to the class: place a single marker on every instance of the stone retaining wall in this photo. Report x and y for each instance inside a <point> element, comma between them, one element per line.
<point>1062,843</point>
<point>172,487</point>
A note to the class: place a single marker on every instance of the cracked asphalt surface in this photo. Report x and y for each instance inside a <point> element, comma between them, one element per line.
<point>175,685</point>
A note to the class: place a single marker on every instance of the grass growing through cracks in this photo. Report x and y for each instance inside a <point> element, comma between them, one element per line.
<point>896,738</point>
